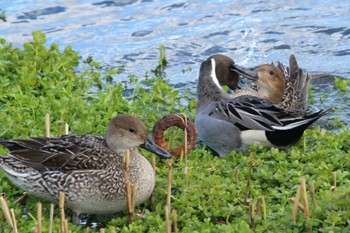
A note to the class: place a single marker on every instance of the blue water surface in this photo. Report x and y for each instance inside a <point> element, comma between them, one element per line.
<point>129,32</point>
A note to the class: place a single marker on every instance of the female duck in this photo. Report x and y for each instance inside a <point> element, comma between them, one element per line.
<point>280,84</point>
<point>89,169</point>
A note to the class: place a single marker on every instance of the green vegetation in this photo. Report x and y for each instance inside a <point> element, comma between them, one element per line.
<point>39,79</point>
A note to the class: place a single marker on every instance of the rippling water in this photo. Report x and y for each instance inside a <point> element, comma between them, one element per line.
<point>129,32</point>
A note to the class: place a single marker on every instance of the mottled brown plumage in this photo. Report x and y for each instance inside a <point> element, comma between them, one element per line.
<point>89,169</point>
<point>280,84</point>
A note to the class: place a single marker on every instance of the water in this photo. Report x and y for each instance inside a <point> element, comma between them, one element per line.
<point>129,32</point>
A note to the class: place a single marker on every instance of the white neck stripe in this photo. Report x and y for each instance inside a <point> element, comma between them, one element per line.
<point>213,73</point>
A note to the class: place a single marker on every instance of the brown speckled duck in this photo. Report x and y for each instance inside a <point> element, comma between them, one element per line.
<point>282,85</point>
<point>89,169</point>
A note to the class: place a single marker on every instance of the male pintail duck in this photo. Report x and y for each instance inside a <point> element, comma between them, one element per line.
<point>280,84</point>
<point>89,169</point>
<point>226,124</point>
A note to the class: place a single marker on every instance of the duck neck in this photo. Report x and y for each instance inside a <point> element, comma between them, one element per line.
<point>275,97</point>
<point>208,89</point>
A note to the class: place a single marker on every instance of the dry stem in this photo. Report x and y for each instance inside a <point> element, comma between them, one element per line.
<point>169,185</point>
<point>66,128</point>
<point>175,221</point>
<point>312,191</point>
<point>128,187</point>
<point>247,192</point>
<point>252,215</point>
<point>52,207</point>
<point>39,217</point>
<point>152,197</point>
<point>47,125</point>
<point>304,196</point>
<point>295,206</point>
<point>167,220</point>
<point>13,216</point>
<point>60,128</point>
<point>6,211</point>
<point>62,214</point>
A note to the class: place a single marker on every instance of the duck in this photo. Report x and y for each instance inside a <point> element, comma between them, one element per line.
<point>280,84</point>
<point>89,169</point>
<point>227,123</point>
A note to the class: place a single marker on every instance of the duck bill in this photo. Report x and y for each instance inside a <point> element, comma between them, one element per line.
<point>250,73</point>
<point>154,148</point>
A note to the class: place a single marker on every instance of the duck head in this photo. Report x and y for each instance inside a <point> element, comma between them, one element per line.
<point>126,132</point>
<point>224,73</point>
<point>270,80</point>
<point>213,73</point>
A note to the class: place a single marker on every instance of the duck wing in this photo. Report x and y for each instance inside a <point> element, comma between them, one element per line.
<point>249,112</point>
<point>65,153</point>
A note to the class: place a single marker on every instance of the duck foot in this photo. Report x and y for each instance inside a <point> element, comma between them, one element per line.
<point>92,220</point>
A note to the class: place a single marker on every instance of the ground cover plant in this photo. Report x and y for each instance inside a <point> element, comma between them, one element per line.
<point>240,193</point>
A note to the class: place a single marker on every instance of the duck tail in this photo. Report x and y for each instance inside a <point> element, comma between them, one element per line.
<point>296,94</point>
<point>292,129</point>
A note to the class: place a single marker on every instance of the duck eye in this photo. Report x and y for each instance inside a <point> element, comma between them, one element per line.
<point>271,72</point>
<point>132,130</point>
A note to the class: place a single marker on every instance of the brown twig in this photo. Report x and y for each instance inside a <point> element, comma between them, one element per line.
<point>169,185</point>
<point>300,206</point>
<point>47,125</point>
<point>312,191</point>
<point>66,229</point>
<point>152,197</point>
<point>6,211</point>
<point>133,201</point>
<point>128,186</point>
<point>62,214</point>
<point>259,206</point>
<point>60,126</point>
<point>252,215</point>
<point>186,151</point>
<point>39,217</point>
<point>167,220</point>
<point>175,221</point>
<point>66,129</point>
<point>52,207</point>
<point>304,196</point>
<point>236,175</point>
<point>295,206</point>
<point>185,137</point>
<point>13,216</point>
<point>21,198</point>
<point>247,192</point>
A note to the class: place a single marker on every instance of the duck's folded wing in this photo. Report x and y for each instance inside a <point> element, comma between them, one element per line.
<point>249,112</point>
<point>62,153</point>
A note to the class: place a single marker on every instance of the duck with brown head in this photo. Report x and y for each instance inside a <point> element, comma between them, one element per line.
<point>280,84</point>
<point>89,169</point>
